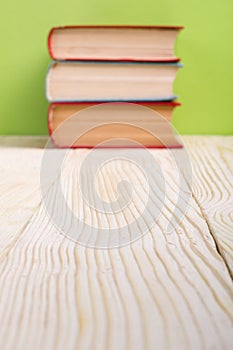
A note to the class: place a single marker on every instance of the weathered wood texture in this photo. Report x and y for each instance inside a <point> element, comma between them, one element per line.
<point>164,291</point>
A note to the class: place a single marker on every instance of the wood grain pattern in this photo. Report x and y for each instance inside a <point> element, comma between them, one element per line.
<point>19,192</point>
<point>164,291</point>
<point>212,159</point>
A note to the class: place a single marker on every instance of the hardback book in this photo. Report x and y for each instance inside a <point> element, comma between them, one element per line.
<point>127,43</point>
<point>111,81</point>
<point>87,125</point>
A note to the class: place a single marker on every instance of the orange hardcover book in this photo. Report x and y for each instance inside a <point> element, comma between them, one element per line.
<point>88,125</point>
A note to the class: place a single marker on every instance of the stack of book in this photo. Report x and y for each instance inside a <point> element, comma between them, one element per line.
<point>112,83</point>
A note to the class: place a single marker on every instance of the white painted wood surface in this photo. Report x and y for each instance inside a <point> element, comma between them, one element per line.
<point>164,291</point>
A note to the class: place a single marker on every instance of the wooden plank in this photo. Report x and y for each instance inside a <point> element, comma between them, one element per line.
<point>19,192</point>
<point>212,159</point>
<point>163,291</point>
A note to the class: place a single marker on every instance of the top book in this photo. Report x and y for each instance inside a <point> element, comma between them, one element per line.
<point>113,43</point>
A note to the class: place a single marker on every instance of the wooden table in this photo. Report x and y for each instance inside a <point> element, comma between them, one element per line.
<point>163,291</point>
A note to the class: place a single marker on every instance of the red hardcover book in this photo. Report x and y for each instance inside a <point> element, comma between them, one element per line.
<point>107,124</point>
<point>114,43</point>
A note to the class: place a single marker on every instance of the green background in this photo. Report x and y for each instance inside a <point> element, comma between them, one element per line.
<point>204,85</point>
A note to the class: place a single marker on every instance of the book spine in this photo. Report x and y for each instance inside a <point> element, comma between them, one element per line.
<point>50,43</point>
